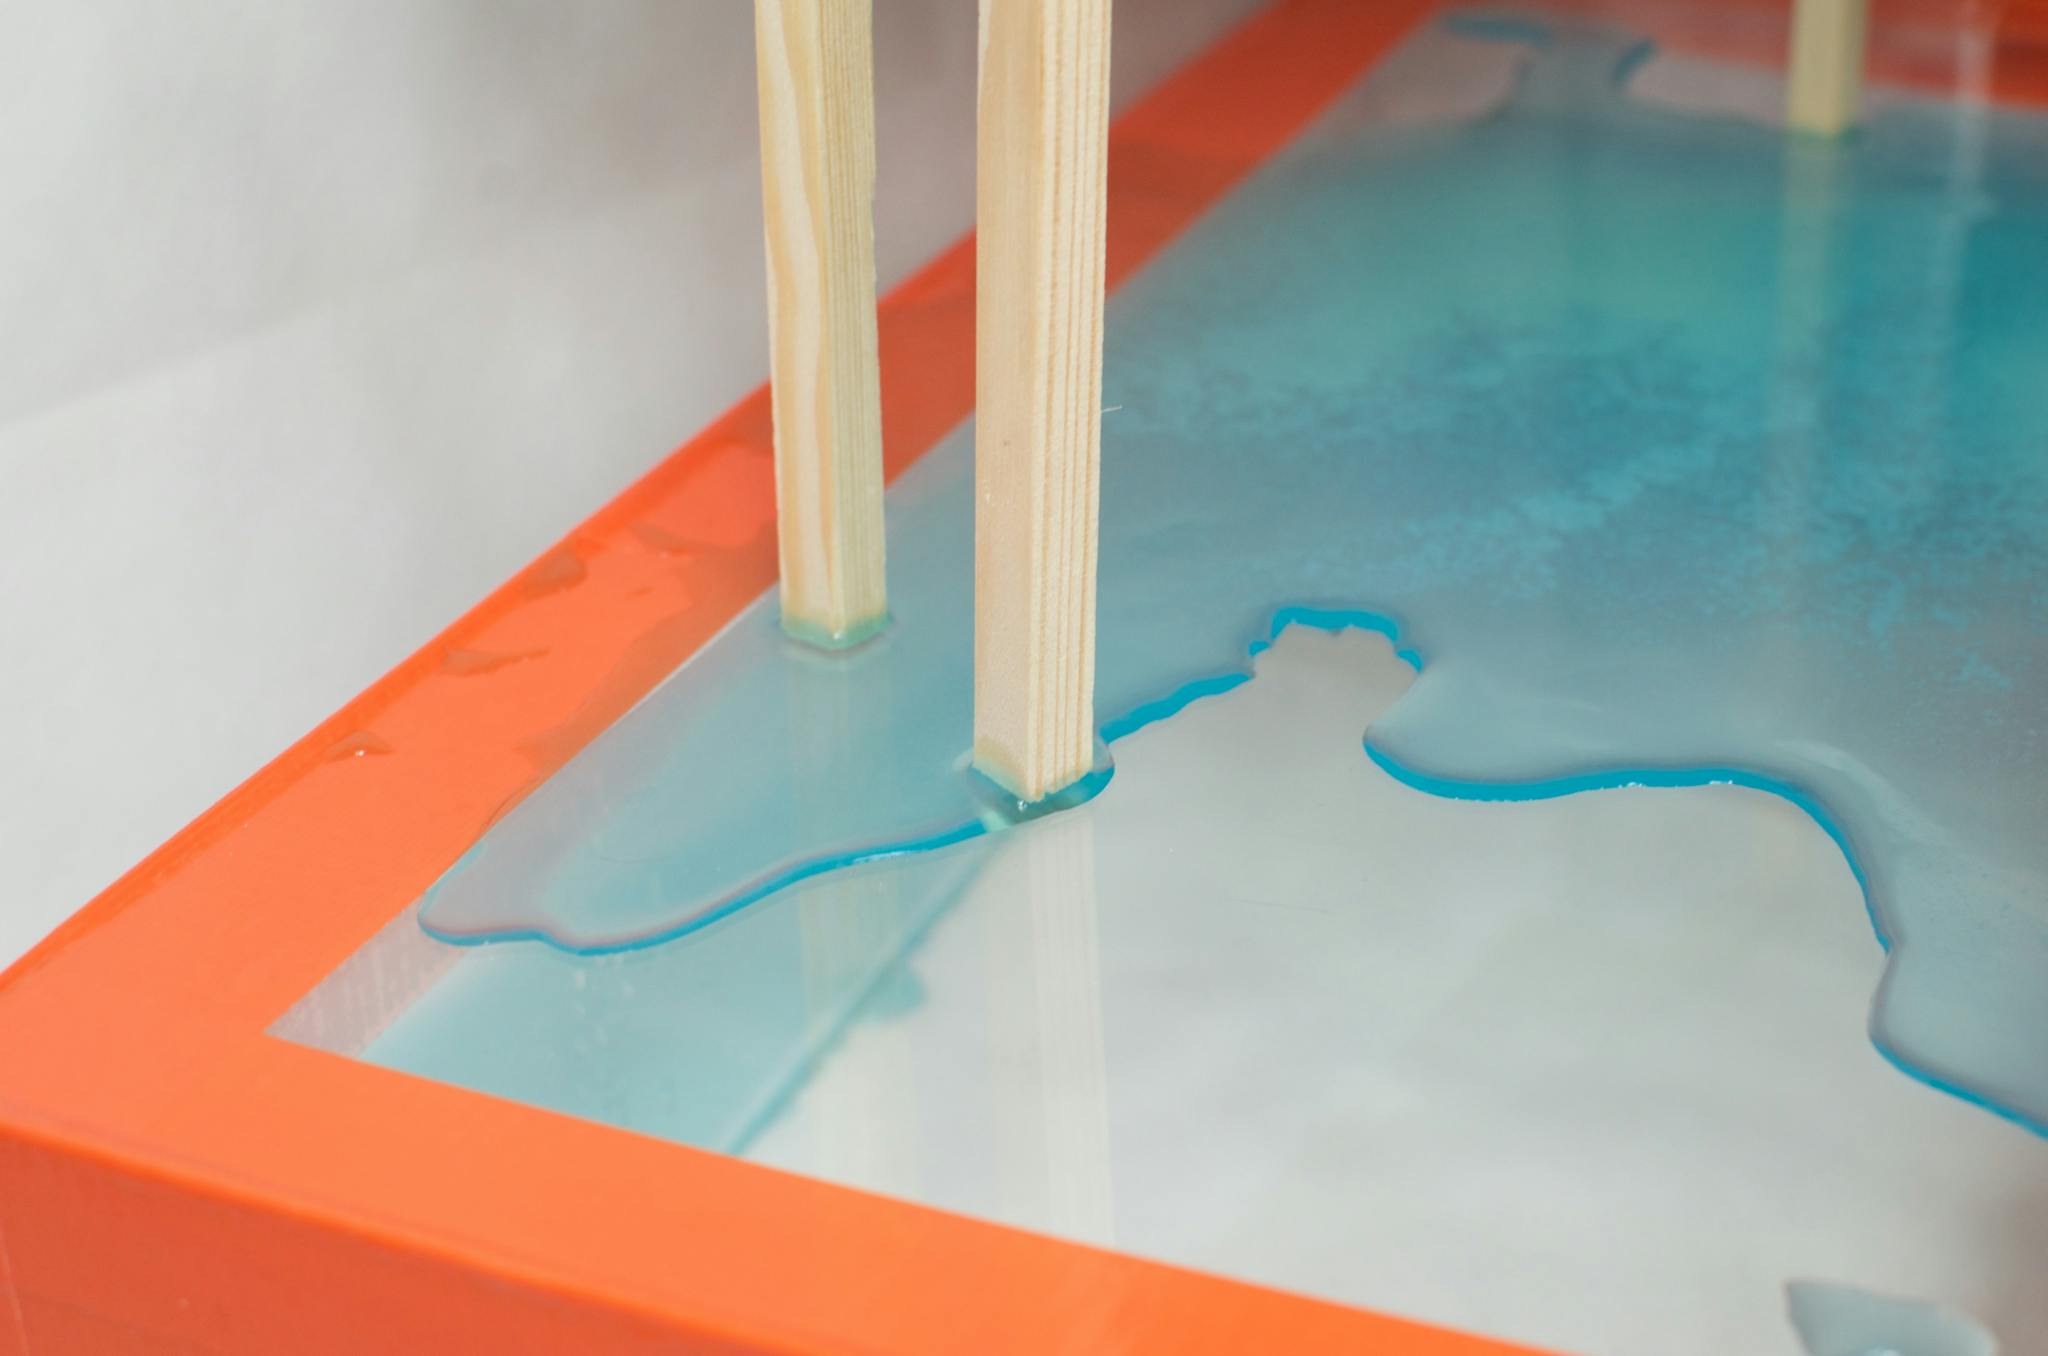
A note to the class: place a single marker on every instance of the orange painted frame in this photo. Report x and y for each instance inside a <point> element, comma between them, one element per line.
<point>1754,32</point>
<point>173,1180</point>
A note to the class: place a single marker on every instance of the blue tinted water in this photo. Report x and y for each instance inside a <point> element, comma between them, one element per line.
<point>1841,1320</point>
<point>1672,449</point>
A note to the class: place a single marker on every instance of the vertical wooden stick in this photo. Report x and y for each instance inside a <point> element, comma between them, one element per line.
<point>1041,167</point>
<point>815,63</point>
<point>1824,88</point>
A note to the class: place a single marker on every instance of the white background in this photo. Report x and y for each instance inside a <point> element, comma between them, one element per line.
<point>318,320</point>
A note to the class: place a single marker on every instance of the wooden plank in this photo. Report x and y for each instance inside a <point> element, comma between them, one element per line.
<point>815,63</point>
<point>1041,192</point>
<point>1824,89</point>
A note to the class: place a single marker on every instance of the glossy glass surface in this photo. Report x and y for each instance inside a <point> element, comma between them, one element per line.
<point>1663,450</point>
<point>1681,451</point>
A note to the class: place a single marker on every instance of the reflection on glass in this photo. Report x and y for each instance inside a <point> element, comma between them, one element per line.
<point>1671,453</point>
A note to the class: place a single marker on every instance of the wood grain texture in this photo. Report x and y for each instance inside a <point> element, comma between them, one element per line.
<point>815,63</point>
<point>1040,197</point>
<point>1824,87</point>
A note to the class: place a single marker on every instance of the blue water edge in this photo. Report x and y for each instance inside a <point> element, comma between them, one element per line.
<point>1681,450</point>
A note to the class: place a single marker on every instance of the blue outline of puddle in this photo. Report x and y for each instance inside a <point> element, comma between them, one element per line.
<point>1330,620</point>
<point>1081,792</point>
<point>1484,23</point>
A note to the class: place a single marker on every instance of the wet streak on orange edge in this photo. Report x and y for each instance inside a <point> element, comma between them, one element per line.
<point>174,1181</point>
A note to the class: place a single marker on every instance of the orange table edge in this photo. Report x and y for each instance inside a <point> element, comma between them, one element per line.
<point>174,1180</point>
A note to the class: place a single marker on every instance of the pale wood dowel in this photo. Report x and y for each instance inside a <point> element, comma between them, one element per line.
<point>814,59</point>
<point>1040,170</point>
<point>1824,87</point>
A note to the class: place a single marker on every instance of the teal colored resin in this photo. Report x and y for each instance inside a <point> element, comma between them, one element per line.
<point>1840,1320</point>
<point>1672,449</point>
<point>860,633</point>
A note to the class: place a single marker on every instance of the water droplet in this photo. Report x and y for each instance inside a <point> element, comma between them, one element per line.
<point>1842,1320</point>
<point>559,569</point>
<point>359,744</point>
<point>469,663</point>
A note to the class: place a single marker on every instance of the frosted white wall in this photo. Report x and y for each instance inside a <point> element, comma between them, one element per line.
<point>317,320</point>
